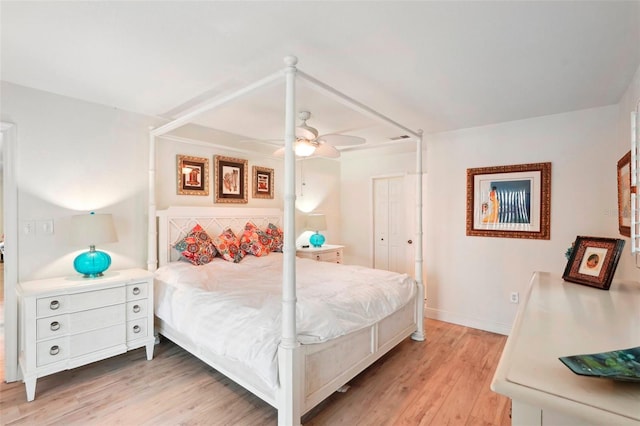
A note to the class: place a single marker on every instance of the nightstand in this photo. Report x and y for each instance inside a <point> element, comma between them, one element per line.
<point>326,253</point>
<point>72,321</point>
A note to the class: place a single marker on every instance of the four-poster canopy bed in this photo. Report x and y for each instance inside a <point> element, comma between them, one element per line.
<point>307,367</point>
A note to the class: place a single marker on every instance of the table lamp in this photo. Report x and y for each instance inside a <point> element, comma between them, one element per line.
<point>89,230</point>
<point>316,222</point>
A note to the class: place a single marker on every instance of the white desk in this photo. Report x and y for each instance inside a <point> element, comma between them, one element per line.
<point>558,318</point>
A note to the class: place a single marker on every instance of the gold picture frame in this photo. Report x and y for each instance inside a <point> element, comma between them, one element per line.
<point>262,182</point>
<point>230,180</point>
<point>192,175</point>
<point>624,195</point>
<point>509,201</point>
<point>593,261</point>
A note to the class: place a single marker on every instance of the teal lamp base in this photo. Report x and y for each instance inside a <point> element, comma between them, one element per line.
<point>92,263</point>
<point>317,240</point>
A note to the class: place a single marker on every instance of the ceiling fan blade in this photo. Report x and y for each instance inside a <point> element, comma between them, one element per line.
<point>342,140</point>
<point>279,152</point>
<point>326,150</point>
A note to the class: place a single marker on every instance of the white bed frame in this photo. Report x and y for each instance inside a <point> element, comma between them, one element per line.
<point>307,374</point>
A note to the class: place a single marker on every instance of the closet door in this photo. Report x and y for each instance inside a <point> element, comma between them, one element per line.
<point>392,230</point>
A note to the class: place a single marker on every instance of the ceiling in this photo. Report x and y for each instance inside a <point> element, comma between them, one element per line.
<point>436,66</point>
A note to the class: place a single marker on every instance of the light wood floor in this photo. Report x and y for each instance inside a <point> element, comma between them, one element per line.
<point>443,381</point>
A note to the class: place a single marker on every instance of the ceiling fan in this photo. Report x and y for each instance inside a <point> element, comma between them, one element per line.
<point>308,142</point>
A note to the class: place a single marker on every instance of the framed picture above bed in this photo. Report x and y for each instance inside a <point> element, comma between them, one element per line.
<point>624,195</point>
<point>230,180</point>
<point>262,182</point>
<point>193,175</point>
<point>509,201</point>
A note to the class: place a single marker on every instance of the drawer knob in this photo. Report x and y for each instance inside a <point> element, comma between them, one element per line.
<point>136,291</point>
<point>55,350</point>
<point>54,305</point>
<point>136,329</point>
<point>55,326</point>
<point>136,309</point>
<point>318,257</point>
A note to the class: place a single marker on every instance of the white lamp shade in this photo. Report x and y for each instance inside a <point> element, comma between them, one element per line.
<point>93,229</point>
<point>316,222</point>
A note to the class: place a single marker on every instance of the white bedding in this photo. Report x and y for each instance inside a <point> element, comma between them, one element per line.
<point>233,309</point>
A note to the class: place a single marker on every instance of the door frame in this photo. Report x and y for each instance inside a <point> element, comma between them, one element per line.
<point>10,215</point>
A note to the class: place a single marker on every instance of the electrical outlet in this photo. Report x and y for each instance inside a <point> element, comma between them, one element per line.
<point>515,297</point>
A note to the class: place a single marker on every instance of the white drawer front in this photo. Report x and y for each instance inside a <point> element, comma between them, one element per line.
<point>51,351</point>
<point>137,291</point>
<point>136,329</point>
<point>52,305</point>
<point>96,340</point>
<point>93,319</point>
<point>96,299</point>
<point>327,257</point>
<point>137,309</point>
<point>52,326</point>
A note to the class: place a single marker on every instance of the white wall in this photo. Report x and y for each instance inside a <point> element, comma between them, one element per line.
<point>470,278</point>
<point>74,157</point>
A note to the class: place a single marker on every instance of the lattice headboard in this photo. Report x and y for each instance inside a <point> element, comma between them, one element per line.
<point>175,222</point>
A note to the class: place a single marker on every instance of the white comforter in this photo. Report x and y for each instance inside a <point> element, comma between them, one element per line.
<point>233,309</point>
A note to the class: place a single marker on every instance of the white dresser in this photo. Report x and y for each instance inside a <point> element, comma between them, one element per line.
<point>72,321</point>
<point>326,253</point>
<point>558,318</point>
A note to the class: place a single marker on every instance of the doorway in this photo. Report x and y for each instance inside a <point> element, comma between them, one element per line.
<point>393,224</point>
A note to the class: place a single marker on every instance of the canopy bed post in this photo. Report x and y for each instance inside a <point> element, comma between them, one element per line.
<point>152,261</point>
<point>289,411</point>
<point>418,335</point>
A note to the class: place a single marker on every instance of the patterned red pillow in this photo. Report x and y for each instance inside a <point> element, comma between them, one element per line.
<point>228,246</point>
<point>197,246</point>
<point>277,237</point>
<point>255,241</point>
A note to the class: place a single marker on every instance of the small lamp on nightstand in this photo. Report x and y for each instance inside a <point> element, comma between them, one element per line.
<point>316,222</point>
<point>89,230</point>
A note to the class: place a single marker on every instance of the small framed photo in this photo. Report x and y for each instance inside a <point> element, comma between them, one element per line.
<point>593,261</point>
<point>509,201</point>
<point>624,195</point>
<point>193,175</point>
<point>262,182</point>
<point>230,180</point>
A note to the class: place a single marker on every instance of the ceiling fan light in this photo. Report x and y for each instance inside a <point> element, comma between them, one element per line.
<point>304,148</point>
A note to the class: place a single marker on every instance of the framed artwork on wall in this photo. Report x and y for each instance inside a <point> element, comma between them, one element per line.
<point>262,182</point>
<point>193,175</point>
<point>624,195</point>
<point>509,201</point>
<point>593,261</point>
<point>230,180</point>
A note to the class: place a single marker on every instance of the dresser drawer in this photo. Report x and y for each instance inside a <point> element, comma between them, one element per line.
<point>54,350</point>
<point>52,326</point>
<point>137,291</point>
<point>136,329</point>
<point>137,309</point>
<point>79,322</point>
<point>331,256</point>
<point>80,301</point>
<point>92,341</point>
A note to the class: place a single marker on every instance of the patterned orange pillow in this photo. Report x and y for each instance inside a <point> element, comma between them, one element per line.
<point>197,246</point>
<point>254,241</point>
<point>228,246</point>
<point>277,237</point>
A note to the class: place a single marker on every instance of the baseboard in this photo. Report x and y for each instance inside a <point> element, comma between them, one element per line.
<point>456,318</point>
